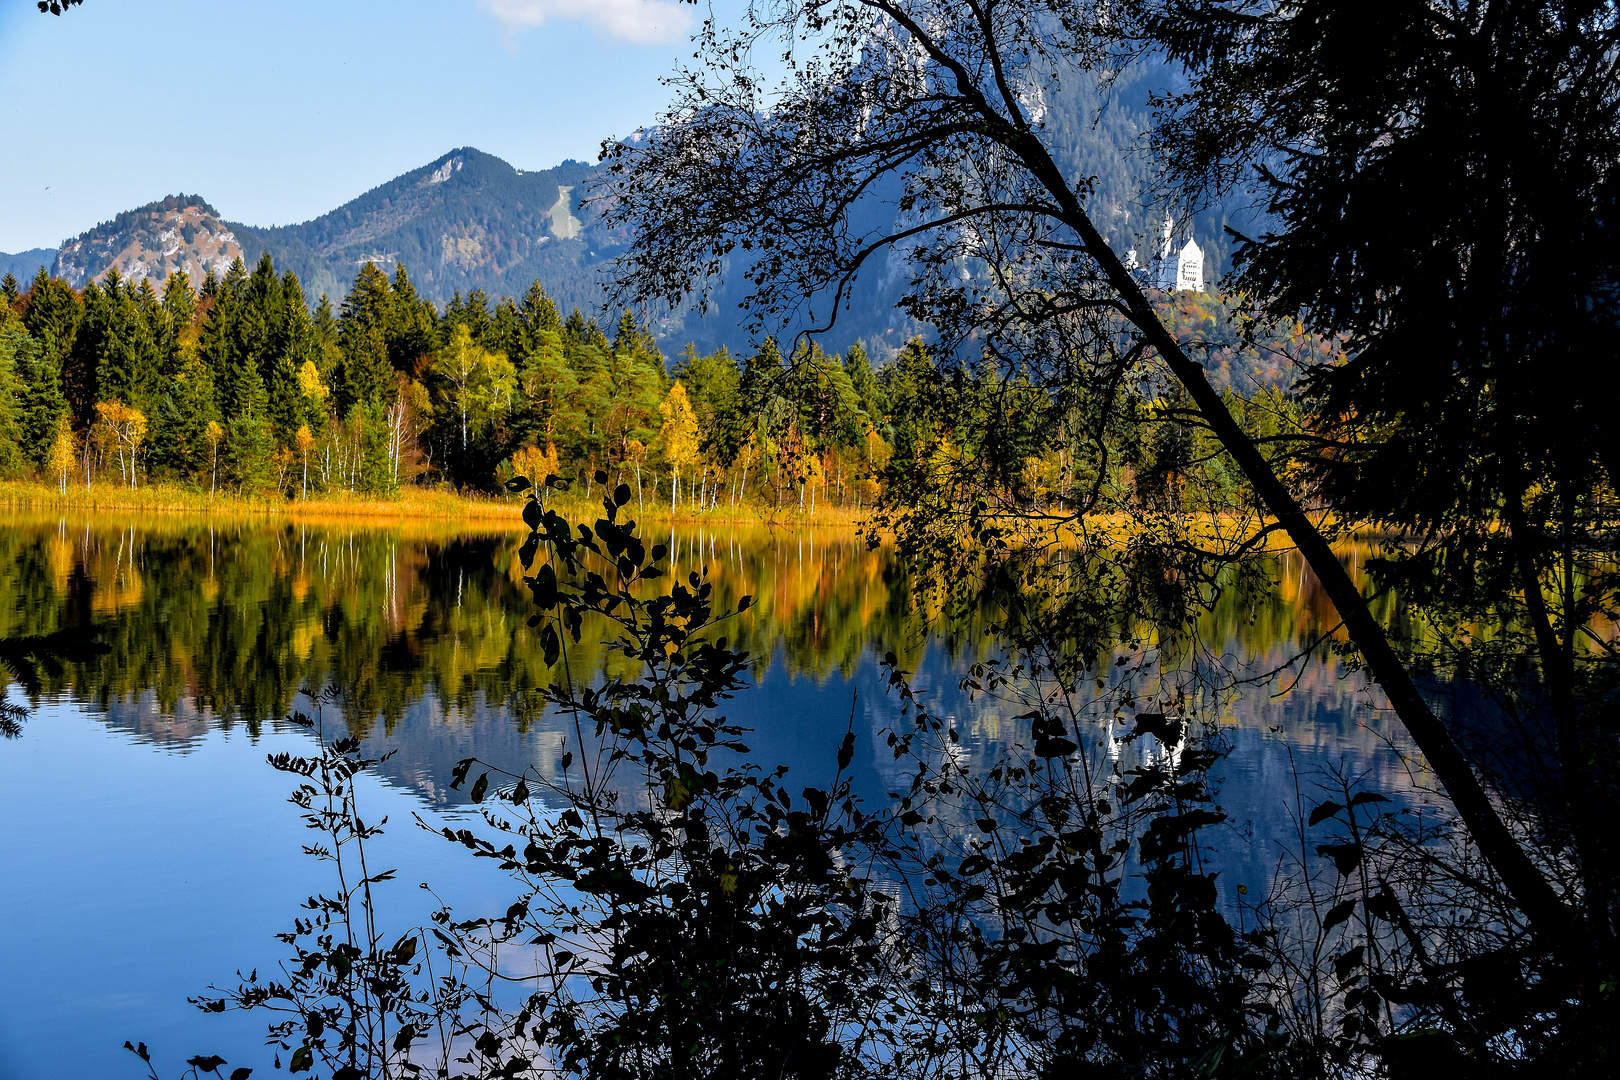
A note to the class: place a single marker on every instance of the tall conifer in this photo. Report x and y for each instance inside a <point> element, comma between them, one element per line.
<point>179,301</point>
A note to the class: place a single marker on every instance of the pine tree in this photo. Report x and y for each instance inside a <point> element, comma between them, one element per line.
<point>179,302</point>
<point>411,329</point>
<point>10,291</point>
<point>42,403</point>
<point>13,455</point>
<point>366,375</point>
<point>179,439</point>
<point>634,385</point>
<point>249,441</point>
<point>538,313</point>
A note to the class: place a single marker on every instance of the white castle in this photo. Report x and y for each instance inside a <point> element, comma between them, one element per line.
<point>1184,271</point>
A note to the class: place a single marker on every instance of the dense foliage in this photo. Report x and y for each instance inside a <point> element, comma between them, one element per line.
<point>239,387</point>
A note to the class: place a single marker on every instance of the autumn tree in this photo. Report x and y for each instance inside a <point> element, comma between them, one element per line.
<point>124,429</point>
<point>62,453</point>
<point>678,437</point>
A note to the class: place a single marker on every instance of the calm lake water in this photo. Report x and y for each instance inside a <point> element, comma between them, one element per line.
<point>149,850</point>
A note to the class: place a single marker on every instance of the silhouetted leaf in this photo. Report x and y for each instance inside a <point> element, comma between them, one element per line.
<point>621,494</point>
<point>519,483</point>
<point>1323,812</point>
<point>480,787</point>
<point>1338,913</point>
<point>1167,729</point>
<point>1050,736</point>
<point>1346,857</point>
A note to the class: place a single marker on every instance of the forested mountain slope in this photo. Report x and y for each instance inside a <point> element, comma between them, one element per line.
<point>23,264</point>
<point>464,221</point>
<point>469,221</point>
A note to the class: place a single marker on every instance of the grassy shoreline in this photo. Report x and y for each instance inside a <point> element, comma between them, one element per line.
<point>409,503</point>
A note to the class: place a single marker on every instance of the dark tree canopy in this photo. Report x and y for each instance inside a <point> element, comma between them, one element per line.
<point>1440,178</point>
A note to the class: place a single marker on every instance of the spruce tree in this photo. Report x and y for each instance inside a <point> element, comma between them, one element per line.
<point>10,291</point>
<point>325,323</point>
<point>546,378</point>
<point>365,376</point>
<point>178,439</point>
<point>539,314</point>
<point>52,307</point>
<point>507,330</point>
<point>80,365</point>
<point>411,329</point>
<point>217,337</point>
<point>13,456</point>
<point>292,345</point>
<point>249,442</point>
<point>179,302</point>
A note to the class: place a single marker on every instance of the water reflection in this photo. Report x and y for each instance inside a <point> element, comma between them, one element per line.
<point>215,623</point>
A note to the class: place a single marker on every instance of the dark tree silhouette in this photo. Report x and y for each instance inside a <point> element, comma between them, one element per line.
<point>934,107</point>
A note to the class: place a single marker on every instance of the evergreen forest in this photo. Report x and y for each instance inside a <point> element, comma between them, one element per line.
<point>241,386</point>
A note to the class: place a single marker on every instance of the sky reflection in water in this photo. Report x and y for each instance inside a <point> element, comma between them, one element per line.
<point>150,849</point>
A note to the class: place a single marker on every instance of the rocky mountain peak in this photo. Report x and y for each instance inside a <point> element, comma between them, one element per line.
<point>181,232</point>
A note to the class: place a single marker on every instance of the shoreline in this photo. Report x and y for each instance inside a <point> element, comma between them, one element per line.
<point>419,504</point>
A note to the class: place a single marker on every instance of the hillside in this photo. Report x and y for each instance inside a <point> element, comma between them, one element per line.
<point>25,264</point>
<point>468,220</point>
<point>180,233</point>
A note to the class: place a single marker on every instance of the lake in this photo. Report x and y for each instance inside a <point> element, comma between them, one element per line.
<point>149,850</point>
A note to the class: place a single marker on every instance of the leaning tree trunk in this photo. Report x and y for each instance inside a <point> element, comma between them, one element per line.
<point>1529,887</point>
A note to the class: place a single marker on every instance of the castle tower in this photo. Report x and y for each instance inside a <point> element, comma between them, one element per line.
<point>1167,265</point>
<point>1190,268</point>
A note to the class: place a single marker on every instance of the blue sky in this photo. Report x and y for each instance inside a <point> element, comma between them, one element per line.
<point>279,111</point>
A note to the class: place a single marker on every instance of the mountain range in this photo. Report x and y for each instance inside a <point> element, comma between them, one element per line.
<point>468,220</point>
